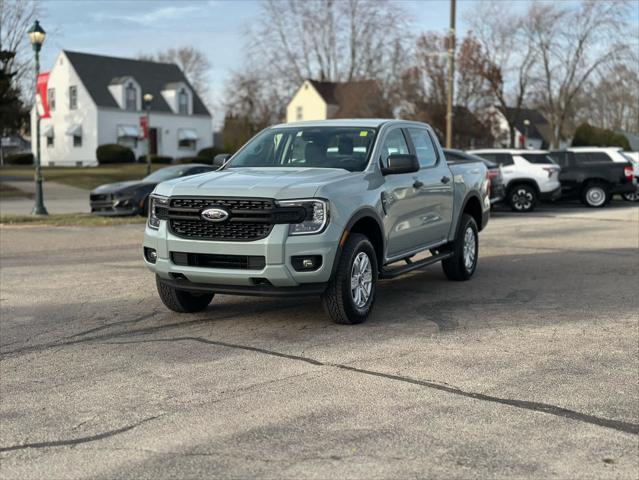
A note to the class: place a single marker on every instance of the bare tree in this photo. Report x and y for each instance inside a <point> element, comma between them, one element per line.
<point>328,40</point>
<point>192,61</point>
<point>573,45</point>
<point>16,16</point>
<point>505,57</point>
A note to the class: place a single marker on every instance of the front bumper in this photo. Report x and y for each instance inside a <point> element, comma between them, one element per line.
<point>277,249</point>
<point>115,207</point>
<point>550,196</point>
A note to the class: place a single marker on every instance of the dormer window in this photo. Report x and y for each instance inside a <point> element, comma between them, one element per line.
<point>131,97</point>
<point>183,102</point>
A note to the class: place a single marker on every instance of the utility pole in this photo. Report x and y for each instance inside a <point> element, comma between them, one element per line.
<point>451,77</point>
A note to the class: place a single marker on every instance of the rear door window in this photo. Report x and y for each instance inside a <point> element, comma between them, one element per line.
<point>424,147</point>
<point>503,159</point>
<point>538,158</point>
<point>592,157</point>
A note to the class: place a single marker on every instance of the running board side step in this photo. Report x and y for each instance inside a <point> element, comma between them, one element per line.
<point>386,273</point>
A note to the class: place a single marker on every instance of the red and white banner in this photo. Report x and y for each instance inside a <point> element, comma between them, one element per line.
<point>42,100</point>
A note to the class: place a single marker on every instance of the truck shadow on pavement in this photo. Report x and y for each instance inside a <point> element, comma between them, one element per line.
<point>556,287</point>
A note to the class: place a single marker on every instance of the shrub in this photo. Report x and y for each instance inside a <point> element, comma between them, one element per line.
<point>114,153</point>
<point>19,159</point>
<point>208,152</point>
<point>589,136</point>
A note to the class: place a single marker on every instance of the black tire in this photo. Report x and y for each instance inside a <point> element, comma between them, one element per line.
<point>522,198</point>
<point>181,301</point>
<point>631,197</point>
<point>595,195</point>
<point>455,268</point>
<point>338,298</point>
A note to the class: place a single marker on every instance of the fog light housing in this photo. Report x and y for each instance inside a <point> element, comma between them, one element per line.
<point>150,255</point>
<point>306,263</point>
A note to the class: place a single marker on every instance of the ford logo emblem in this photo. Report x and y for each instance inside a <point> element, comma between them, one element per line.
<point>214,214</point>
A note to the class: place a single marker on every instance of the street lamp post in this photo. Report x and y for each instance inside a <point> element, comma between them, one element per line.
<point>148,98</point>
<point>36,37</point>
<point>526,124</point>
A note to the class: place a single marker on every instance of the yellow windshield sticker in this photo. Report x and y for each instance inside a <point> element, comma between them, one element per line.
<point>363,133</point>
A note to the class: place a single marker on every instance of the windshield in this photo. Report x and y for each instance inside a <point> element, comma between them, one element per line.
<point>166,174</point>
<point>538,158</point>
<point>317,147</point>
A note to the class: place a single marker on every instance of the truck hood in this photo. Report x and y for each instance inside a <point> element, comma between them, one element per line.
<point>278,183</point>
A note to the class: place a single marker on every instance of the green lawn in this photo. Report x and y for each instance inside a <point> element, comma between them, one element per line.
<point>69,220</point>
<point>82,177</point>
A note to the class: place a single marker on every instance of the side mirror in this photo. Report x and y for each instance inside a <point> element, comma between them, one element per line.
<point>220,159</point>
<point>401,163</point>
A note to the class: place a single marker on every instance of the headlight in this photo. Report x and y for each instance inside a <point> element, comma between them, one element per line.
<point>158,210</point>
<point>316,216</point>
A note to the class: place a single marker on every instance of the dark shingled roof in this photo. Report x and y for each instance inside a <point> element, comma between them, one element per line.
<point>538,128</point>
<point>97,72</point>
<point>356,99</point>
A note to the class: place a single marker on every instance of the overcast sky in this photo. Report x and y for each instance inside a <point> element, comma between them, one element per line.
<point>125,28</point>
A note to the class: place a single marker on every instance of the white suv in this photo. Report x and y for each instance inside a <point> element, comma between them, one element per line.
<point>529,176</point>
<point>617,155</point>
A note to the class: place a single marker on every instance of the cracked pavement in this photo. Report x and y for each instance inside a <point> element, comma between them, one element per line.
<point>529,370</point>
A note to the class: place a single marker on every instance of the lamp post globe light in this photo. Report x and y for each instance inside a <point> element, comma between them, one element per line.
<point>148,98</point>
<point>36,37</point>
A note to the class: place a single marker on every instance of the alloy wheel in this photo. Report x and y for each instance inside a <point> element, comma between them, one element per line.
<point>361,279</point>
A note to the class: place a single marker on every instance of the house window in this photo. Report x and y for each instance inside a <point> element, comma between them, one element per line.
<point>131,142</point>
<point>51,98</point>
<point>77,140</point>
<point>131,97</point>
<point>299,113</point>
<point>73,97</point>
<point>50,140</point>
<point>183,102</point>
<point>187,144</point>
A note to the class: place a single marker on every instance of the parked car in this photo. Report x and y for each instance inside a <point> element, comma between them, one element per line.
<point>497,191</point>
<point>529,176</point>
<point>317,208</point>
<point>592,176</point>
<point>131,197</point>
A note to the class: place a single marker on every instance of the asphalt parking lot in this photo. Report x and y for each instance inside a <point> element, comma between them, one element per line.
<point>531,369</point>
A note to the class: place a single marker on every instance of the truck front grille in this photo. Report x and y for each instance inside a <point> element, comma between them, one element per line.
<point>249,218</point>
<point>234,262</point>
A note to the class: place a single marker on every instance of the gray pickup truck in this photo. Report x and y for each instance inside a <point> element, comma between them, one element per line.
<point>322,208</point>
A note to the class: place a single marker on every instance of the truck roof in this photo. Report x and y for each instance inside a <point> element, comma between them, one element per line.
<point>345,122</point>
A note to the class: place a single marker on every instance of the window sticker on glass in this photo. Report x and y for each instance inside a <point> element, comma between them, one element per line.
<point>363,133</point>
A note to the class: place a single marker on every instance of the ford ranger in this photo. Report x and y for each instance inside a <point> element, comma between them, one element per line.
<point>322,208</point>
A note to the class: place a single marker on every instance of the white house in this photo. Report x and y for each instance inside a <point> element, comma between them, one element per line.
<point>95,100</point>
<point>316,100</point>
<point>532,130</point>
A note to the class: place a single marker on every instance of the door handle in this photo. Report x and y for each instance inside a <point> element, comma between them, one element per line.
<point>445,179</point>
<point>417,184</point>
